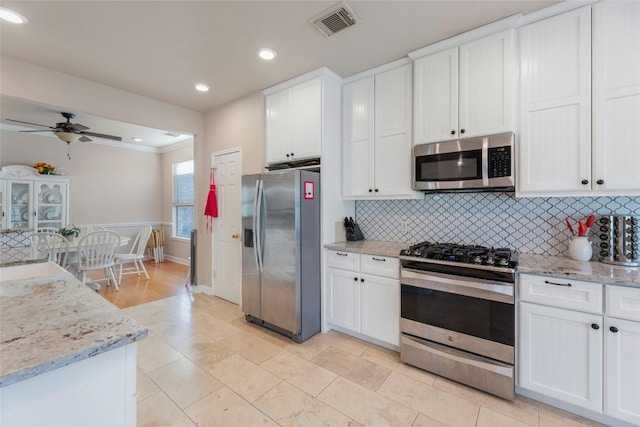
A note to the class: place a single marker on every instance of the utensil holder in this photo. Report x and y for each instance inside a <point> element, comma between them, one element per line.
<point>580,249</point>
<point>619,239</point>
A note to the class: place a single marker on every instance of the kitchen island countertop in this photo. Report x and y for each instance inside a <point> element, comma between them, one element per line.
<point>53,321</point>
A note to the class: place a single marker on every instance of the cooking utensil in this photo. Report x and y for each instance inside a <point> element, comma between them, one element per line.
<point>582,229</point>
<point>591,219</point>
<point>573,233</point>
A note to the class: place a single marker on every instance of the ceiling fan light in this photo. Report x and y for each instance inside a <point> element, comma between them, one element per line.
<point>12,16</point>
<point>68,136</point>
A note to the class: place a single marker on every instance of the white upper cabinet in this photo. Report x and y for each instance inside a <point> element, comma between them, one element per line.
<point>294,122</point>
<point>560,153</point>
<point>377,135</point>
<point>464,91</point>
<point>616,97</point>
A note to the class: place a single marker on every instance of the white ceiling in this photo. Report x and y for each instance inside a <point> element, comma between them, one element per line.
<point>159,49</point>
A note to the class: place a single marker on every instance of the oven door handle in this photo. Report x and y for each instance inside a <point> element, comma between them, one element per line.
<point>477,288</point>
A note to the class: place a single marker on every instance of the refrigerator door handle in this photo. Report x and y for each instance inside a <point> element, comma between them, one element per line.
<point>257,224</point>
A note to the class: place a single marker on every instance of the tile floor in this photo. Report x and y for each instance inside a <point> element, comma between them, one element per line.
<point>203,364</point>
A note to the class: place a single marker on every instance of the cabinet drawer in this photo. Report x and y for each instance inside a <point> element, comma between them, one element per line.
<point>623,302</point>
<point>381,266</point>
<point>343,260</point>
<point>561,292</point>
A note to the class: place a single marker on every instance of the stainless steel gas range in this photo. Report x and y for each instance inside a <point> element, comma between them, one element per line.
<point>457,313</point>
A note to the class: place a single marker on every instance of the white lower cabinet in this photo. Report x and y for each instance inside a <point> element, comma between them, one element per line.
<point>573,351</point>
<point>363,295</point>
<point>561,354</point>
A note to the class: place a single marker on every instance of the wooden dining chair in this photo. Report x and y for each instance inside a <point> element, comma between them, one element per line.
<point>135,255</point>
<point>52,246</point>
<point>97,251</point>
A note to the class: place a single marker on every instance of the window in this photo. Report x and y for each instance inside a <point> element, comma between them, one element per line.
<point>183,199</point>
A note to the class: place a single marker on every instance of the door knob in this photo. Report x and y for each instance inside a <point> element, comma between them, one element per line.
<point>236,236</point>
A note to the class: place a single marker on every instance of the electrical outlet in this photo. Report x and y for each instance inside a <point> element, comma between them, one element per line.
<point>403,227</point>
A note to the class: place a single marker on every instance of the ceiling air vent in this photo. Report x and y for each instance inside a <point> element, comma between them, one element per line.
<point>172,134</point>
<point>335,19</point>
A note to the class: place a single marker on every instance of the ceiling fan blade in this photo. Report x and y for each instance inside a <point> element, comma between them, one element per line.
<point>101,135</point>
<point>84,139</point>
<point>75,127</point>
<point>43,130</point>
<point>29,123</point>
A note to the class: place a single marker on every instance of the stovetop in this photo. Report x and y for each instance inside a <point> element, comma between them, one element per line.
<point>471,255</point>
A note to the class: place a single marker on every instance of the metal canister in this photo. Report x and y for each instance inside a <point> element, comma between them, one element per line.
<point>619,240</point>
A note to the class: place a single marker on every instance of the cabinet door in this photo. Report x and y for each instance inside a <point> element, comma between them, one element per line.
<point>344,299</point>
<point>616,97</point>
<point>20,209</point>
<point>435,97</point>
<point>392,159</point>
<point>561,354</point>
<point>306,119</point>
<point>357,142</point>
<point>622,370</point>
<point>485,82</point>
<point>50,204</point>
<point>278,144</point>
<point>555,140</point>
<point>381,308</point>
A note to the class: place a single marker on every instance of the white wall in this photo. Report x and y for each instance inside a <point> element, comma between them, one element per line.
<point>237,124</point>
<point>108,184</point>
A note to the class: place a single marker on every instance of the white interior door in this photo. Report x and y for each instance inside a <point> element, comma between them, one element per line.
<point>226,250</point>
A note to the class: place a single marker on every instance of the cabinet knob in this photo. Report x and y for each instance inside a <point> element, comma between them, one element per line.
<point>355,279</point>
<point>362,280</point>
<point>613,329</point>
<point>370,190</point>
<point>376,190</point>
<point>461,130</point>
<point>600,181</point>
<point>595,326</point>
<point>287,155</point>
<point>292,154</point>
<point>585,181</point>
<point>453,132</point>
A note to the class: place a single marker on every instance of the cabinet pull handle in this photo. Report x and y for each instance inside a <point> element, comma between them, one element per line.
<point>339,254</point>
<point>558,284</point>
<point>595,326</point>
<point>613,329</point>
<point>378,259</point>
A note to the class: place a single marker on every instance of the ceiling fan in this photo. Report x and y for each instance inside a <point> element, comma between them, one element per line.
<point>69,132</point>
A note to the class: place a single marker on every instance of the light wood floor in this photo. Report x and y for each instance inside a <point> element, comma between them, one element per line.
<point>167,279</point>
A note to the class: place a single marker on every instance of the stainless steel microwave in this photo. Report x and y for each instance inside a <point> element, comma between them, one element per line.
<point>484,163</point>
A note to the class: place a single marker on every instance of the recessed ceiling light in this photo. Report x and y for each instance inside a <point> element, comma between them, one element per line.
<point>201,87</point>
<point>137,139</point>
<point>267,54</point>
<point>12,16</point>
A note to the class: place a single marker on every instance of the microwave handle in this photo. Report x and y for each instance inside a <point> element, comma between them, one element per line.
<point>485,161</point>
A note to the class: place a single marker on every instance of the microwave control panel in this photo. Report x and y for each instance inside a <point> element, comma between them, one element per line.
<point>499,162</point>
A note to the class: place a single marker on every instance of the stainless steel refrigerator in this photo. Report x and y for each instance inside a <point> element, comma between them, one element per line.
<point>281,251</point>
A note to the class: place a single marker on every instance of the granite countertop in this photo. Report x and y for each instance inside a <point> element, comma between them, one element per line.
<point>373,247</point>
<point>527,263</point>
<point>53,321</point>
<point>566,267</point>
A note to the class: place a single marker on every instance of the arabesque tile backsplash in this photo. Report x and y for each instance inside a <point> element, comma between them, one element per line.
<point>530,225</point>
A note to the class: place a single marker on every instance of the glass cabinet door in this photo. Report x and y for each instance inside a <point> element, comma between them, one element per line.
<point>20,209</point>
<point>51,198</point>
